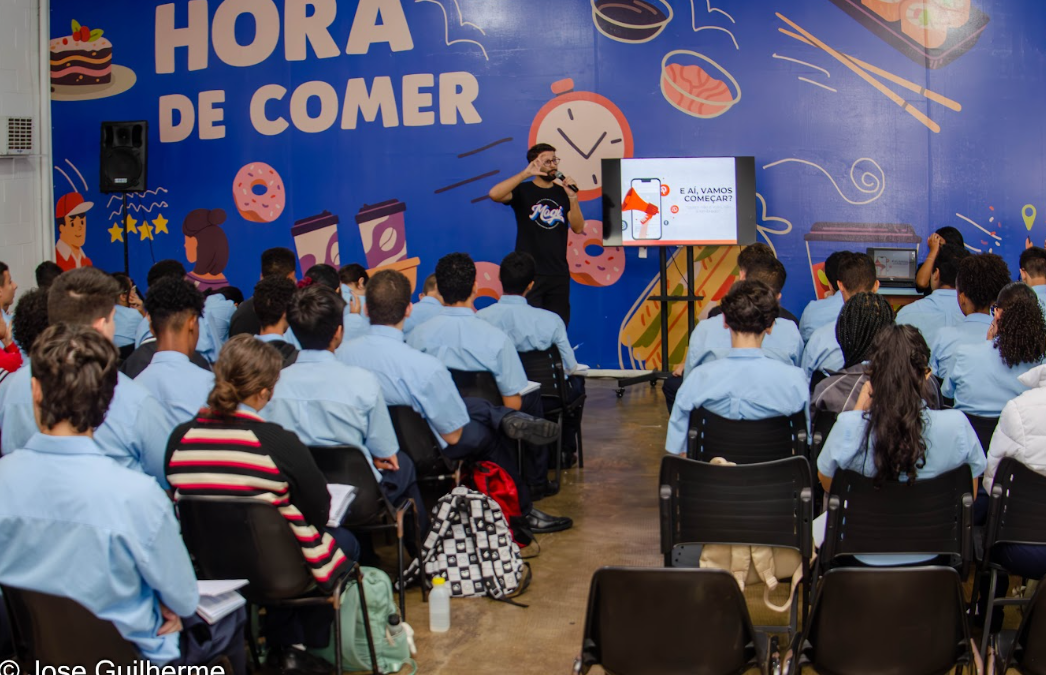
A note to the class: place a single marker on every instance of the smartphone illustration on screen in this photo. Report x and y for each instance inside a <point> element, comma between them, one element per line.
<point>645,208</point>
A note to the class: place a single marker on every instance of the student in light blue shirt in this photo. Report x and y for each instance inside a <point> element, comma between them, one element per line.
<point>984,375</point>
<point>746,384</point>
<point>353,321</point>
<point>978,282</point>
<point>134,432</point>
<point>429,304</point>
<point>326,402</point>
<point>272,297</point>
<point>1033,272</point>
<point>856,275</point>
<point>174,307</point>
<point>128,311</point>
<point>75,524</point>
<point>353,280</point>
<point>820,312</point>
<point>941,308</point>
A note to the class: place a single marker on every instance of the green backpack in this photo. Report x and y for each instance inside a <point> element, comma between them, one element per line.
<point>380,604</point>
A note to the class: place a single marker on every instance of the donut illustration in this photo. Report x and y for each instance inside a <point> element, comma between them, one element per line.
<point>604,269</point>
<point>488,281</point>
<point>258,193</point>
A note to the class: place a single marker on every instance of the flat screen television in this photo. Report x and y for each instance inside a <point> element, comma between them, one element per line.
<point>679,201</point>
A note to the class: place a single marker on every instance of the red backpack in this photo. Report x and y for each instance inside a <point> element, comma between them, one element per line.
<point>493,481</point>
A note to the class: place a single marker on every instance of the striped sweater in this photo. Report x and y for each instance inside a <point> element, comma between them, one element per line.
<point>245,456</point>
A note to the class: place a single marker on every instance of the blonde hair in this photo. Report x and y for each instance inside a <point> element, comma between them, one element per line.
<point>245,366</point>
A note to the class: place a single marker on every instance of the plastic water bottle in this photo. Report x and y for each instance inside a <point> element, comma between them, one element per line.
<point>439,606</point>
<point>394,629</point>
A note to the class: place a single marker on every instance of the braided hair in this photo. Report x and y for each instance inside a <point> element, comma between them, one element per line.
<point>860,320</point>
<point>1022,330</point>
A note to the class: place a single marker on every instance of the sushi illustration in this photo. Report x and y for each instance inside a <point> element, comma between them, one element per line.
<point>887,9</point>
<point>923,22</point>
<point>952,13</point>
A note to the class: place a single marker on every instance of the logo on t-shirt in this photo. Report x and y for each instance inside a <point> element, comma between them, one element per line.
<point>547,214</point>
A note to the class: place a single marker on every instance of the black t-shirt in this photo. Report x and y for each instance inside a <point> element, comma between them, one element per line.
<point>541,226</point>
<point>244,320</point>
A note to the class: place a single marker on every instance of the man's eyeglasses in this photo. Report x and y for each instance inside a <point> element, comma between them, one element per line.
<point>550,162</point>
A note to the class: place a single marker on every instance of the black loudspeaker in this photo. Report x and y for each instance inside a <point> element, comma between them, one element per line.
<point>125,154</point>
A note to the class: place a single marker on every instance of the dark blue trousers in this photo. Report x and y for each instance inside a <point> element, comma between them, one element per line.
<point>202,643</point>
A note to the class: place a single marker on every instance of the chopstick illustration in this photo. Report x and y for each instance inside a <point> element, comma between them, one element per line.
<point>862,70</point>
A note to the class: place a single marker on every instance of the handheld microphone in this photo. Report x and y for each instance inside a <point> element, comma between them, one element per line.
<point>560,176</point>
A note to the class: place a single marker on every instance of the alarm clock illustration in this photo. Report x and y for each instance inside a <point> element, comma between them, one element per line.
<point>585,128</point>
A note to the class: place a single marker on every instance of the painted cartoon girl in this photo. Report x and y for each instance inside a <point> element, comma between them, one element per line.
<point>207,247</point>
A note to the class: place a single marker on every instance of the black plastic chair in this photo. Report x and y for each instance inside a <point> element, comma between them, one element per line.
<point>667,622</point>
<point>371,510</point>
<point>745,441</point>
<point>1025,650</point>
<point>237,538</point>
<point>908,620</point>
<point>417,439</point>
<point>820,426</point>
<point>931,517</point>
<point>766,504</point>
<point>58,631</point>
<point>546,368</point>
<point>1016,515</point>
<point>984,427</point>
<point>477,384</point>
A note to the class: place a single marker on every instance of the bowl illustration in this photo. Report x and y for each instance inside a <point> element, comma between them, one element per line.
<point>631,21</point>
<point>690,82</point>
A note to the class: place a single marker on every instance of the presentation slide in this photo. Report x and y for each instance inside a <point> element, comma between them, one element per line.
<point>678,201</point>
<point>893,263</point>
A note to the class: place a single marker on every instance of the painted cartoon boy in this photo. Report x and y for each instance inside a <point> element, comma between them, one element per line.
<point>71,214</point>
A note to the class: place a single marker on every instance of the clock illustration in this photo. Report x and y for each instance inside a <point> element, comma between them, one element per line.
<point>585,128</point>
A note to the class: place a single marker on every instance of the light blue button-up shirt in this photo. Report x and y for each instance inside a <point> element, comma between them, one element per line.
<point>818,313</point>
<point>76,524</point>
<point>932,313</point>
<point>1040,291</point>
<point>530,328</point>
<point>980,382</point>
<point>409,378</point>
<point>747,384</point>
<point>178,383</point>
<point>972,329</point>
<point>356,325</point>
<point>422,311</point>
<point>711,340</point>
<point>823,351</point>
<point>134,432</point>
<point>326,402</point>
<point>126,322</point>
<point>464,342</point>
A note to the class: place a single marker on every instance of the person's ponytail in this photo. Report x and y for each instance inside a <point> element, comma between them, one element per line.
<point>245,367</point>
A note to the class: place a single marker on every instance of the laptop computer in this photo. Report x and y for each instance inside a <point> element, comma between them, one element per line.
<point>896,269</point>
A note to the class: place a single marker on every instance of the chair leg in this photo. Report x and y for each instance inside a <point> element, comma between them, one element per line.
<point>992,585</point>
<point>580,449</point>
<point>403,582</point>
<point>366,626</point>
<point>252,641</point>
<point>421,566</point>
<point>559,451</point>
<point>337,627</point>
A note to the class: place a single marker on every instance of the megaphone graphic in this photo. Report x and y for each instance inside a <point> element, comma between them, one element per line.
<point>633,202</point>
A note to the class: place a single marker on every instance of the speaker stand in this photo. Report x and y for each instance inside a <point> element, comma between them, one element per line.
<point>664,298</point>
<point>126,236</point>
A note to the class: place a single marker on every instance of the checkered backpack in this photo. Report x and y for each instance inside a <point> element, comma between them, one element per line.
<point>470,545</point>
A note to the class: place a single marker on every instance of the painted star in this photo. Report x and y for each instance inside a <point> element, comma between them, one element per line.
<point>117,233</point>
<point>160,225</point>
<point>131,222</point>
<point>145,231</point>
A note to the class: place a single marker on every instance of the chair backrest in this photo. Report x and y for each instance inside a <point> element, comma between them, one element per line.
<point>745,441</point>
<point>546,368</point>
<point>350,465</point>
<point>60,631</point>
<point>1017,511</point>
<point>768,504</point>
<point>477,384</point>
<point>417,439</point>
<point>667,622</point>
<point>897,621</point>
<point>820,427</point>
<point>984,427</point>
<point>238,538</point>
<point>927,517</point>
<point>1029,647</point>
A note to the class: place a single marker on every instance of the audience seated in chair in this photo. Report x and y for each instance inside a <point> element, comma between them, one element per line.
<point>935,243</point>
<point>820,312</point>
<point>272,297</point>
<point>856,275</point>
<point>275,262</point>
<point>462,341</point>
<point>353,280</point>
<point>29,321</point>
<point>229,450</point>
<point>1033,271</point>
<point>535,329</point>
<point>429,304</point>
<point>470,429</point>
<point>326,402</point>
<point>940,309</point>
<point>747,384</point>
<point>978,283</point>
<point>134,432</point>
<point>891,434</point>
<point>355,323</point>
<point>101,534</point>
<point>129,311</point>
<point>175,306</point>
<point>984,376</point>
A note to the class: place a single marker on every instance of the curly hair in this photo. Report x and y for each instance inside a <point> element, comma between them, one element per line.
<point>981,277</point>
<point>30,319</point>
<point>245,366</point>
<point>76,367</point>
<point>455,277</point>
<point>1021,336</point>
<point>861,319</point>
<point>947,263</point>
<point>750,307</point>
<point>272,296</point>
<point>900,361</point>
<point>170,302</point>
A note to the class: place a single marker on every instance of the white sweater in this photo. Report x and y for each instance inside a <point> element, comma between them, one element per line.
<point>1021,433</point>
